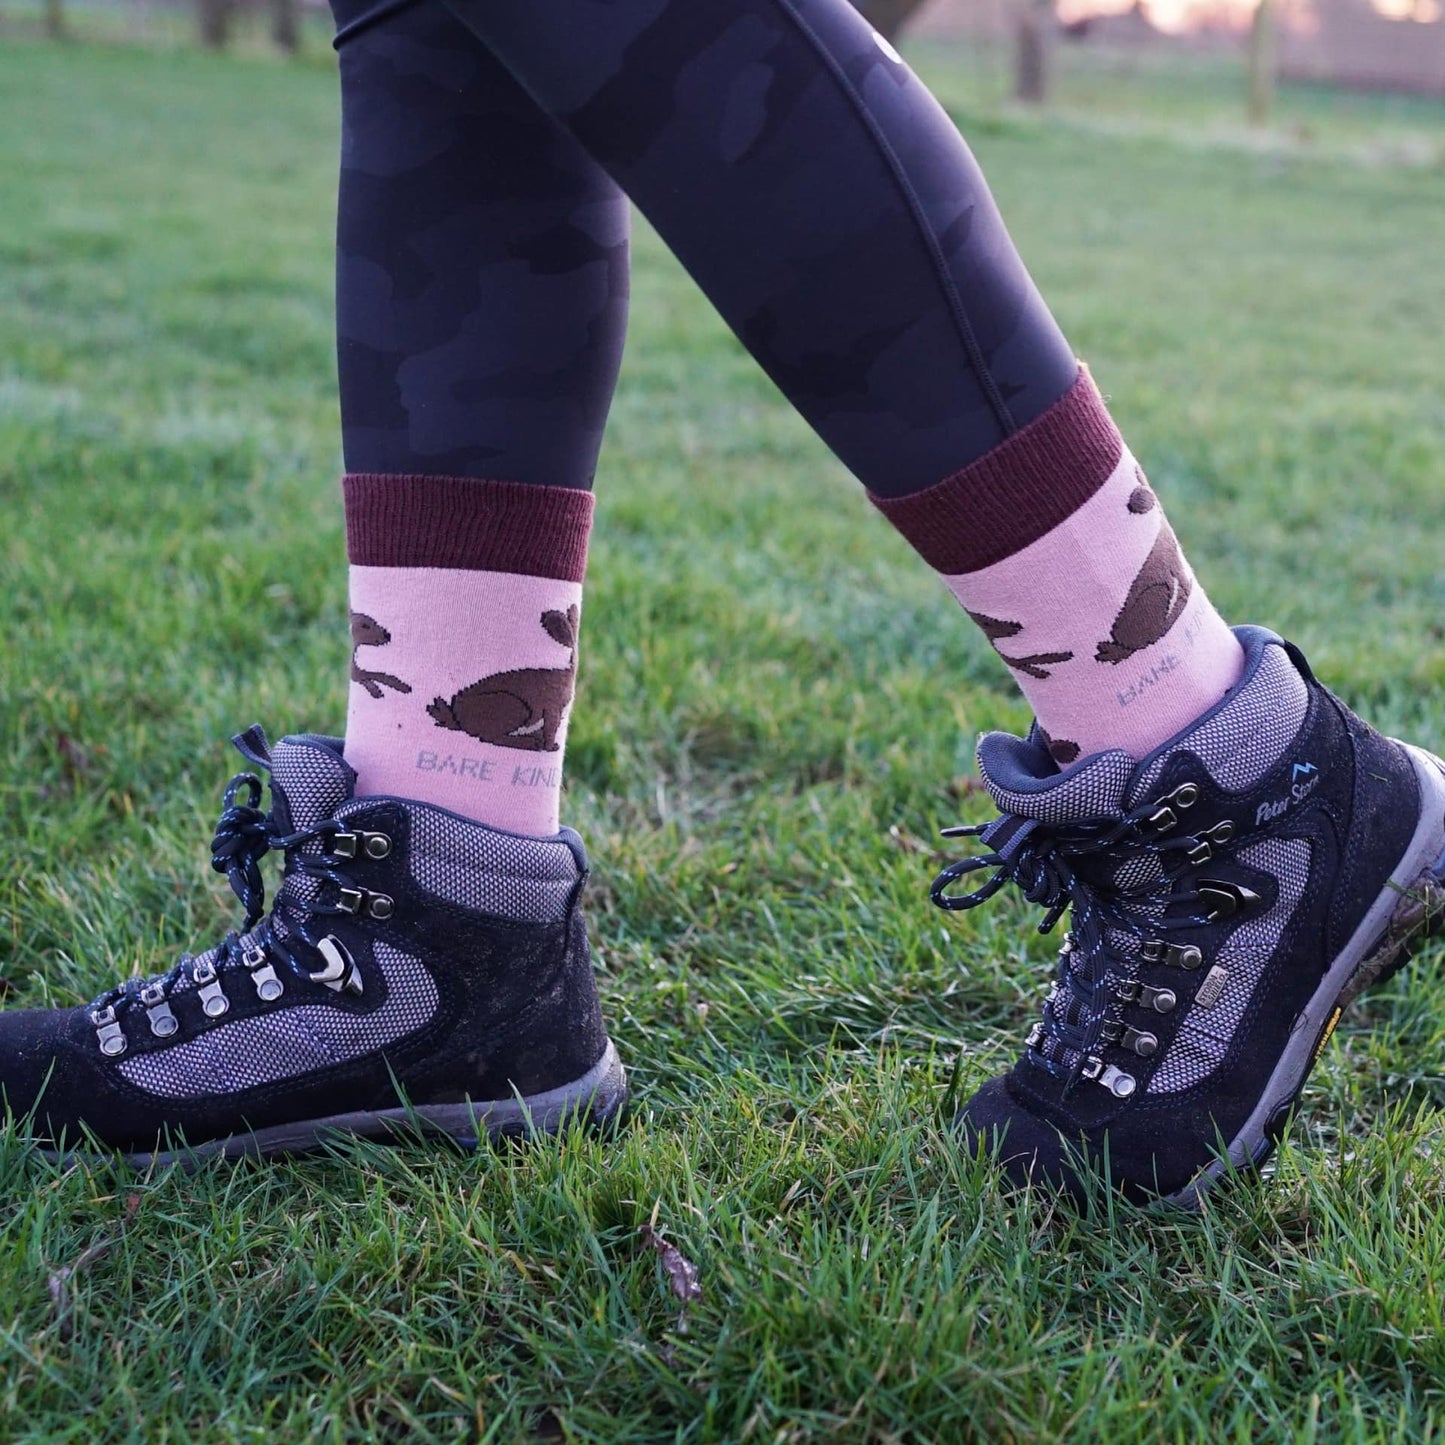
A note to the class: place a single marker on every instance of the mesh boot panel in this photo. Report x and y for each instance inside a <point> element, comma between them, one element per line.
<point>1204,1037</point>
<point>293,1041</point>
<point>1241,742</point>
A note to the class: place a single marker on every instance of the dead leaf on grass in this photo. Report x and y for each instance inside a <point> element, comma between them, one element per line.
<point>681,1272</point>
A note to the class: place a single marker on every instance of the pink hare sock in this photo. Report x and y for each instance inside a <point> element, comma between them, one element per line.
<point>1059,550</point>
<point>466,603</point>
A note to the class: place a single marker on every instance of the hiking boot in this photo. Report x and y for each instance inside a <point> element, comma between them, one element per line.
<point>416,972</point>
<point>1229,895</point>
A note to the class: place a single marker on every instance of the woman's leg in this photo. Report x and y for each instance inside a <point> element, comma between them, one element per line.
<point>482,277</point>
<point>414,966</point>
<point>1245,854</point>
<point>830,210</point>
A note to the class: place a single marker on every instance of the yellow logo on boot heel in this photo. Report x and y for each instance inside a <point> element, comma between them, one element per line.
<point>1325,1037</point>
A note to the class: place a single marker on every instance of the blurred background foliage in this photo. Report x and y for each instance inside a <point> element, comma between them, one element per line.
<point>1395,46</point>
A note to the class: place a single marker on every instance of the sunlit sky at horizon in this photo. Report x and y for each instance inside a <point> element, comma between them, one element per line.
<point>1181,15</point>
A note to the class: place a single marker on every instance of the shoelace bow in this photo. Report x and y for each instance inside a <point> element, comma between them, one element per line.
<point>1042,861</point>
<point>243,837</point>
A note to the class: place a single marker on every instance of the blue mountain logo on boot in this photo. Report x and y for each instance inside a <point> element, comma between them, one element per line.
<point>1304,779</point>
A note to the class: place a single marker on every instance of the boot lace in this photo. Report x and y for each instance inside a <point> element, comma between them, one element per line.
<point>1118,877</point>
<point>243,837</point>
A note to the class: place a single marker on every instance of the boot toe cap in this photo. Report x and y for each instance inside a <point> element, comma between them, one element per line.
<point>40,1070</point>
<point>1029,1149</point>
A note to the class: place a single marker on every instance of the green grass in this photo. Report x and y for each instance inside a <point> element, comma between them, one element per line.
<point>770,683</point>
<point>1196,98</point>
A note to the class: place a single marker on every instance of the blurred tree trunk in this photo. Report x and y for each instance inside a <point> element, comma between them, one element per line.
<point>285,32</point>
<point>1034,69</point>
<point>1261,63</point>
<point>55,27</point>
<point>215,21</point>
<point>888,17</point>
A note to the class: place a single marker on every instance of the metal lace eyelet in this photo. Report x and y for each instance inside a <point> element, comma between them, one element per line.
<point>1186,795</point>
<point>1160,1000</point>
<point>268,985</point>
<point>109,1034</point>
<point>213,998</point>
<point>352,845</point>
<point>359,900</point>
<point>214,1002</point>
<point>158,1011</point>
<point>1209,839</point>
<point>1174,955</point>
<point>1137,1041</point>
<point>1145,1044</point>
<point>1116,1081</point>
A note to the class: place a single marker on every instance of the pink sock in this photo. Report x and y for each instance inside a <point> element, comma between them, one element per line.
<point>465,606</point>
<point>1060,551</point>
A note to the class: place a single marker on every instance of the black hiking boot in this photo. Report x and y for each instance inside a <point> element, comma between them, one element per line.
<point>416,972</point>
<point>1229,896</point>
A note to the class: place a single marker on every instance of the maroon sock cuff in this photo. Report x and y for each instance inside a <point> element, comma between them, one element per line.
<point>1017,492</point>
<point>467,524</point>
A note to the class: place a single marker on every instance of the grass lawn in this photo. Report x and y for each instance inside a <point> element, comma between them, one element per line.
<point>773,694</point>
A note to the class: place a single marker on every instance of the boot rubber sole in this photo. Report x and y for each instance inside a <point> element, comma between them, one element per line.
<point>597,1098</point>
<point>1409,908</point>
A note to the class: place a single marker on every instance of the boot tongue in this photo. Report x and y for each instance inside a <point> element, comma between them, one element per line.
<point>310,780</point>
<point>1024,780</point>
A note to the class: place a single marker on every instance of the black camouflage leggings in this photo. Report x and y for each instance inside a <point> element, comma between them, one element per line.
<point>801,173</point>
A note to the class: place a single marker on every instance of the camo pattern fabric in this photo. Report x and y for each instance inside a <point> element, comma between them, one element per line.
<point>482,264</point>
<point>802,174</point>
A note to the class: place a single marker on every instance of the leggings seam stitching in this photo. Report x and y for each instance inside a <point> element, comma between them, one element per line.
<point>895,168</point>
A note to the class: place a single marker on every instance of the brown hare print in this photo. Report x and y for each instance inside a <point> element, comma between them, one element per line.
<point>368,632</point>
<point>1156,598</point>
<point>1038,665</point>
<point>522,708</point>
